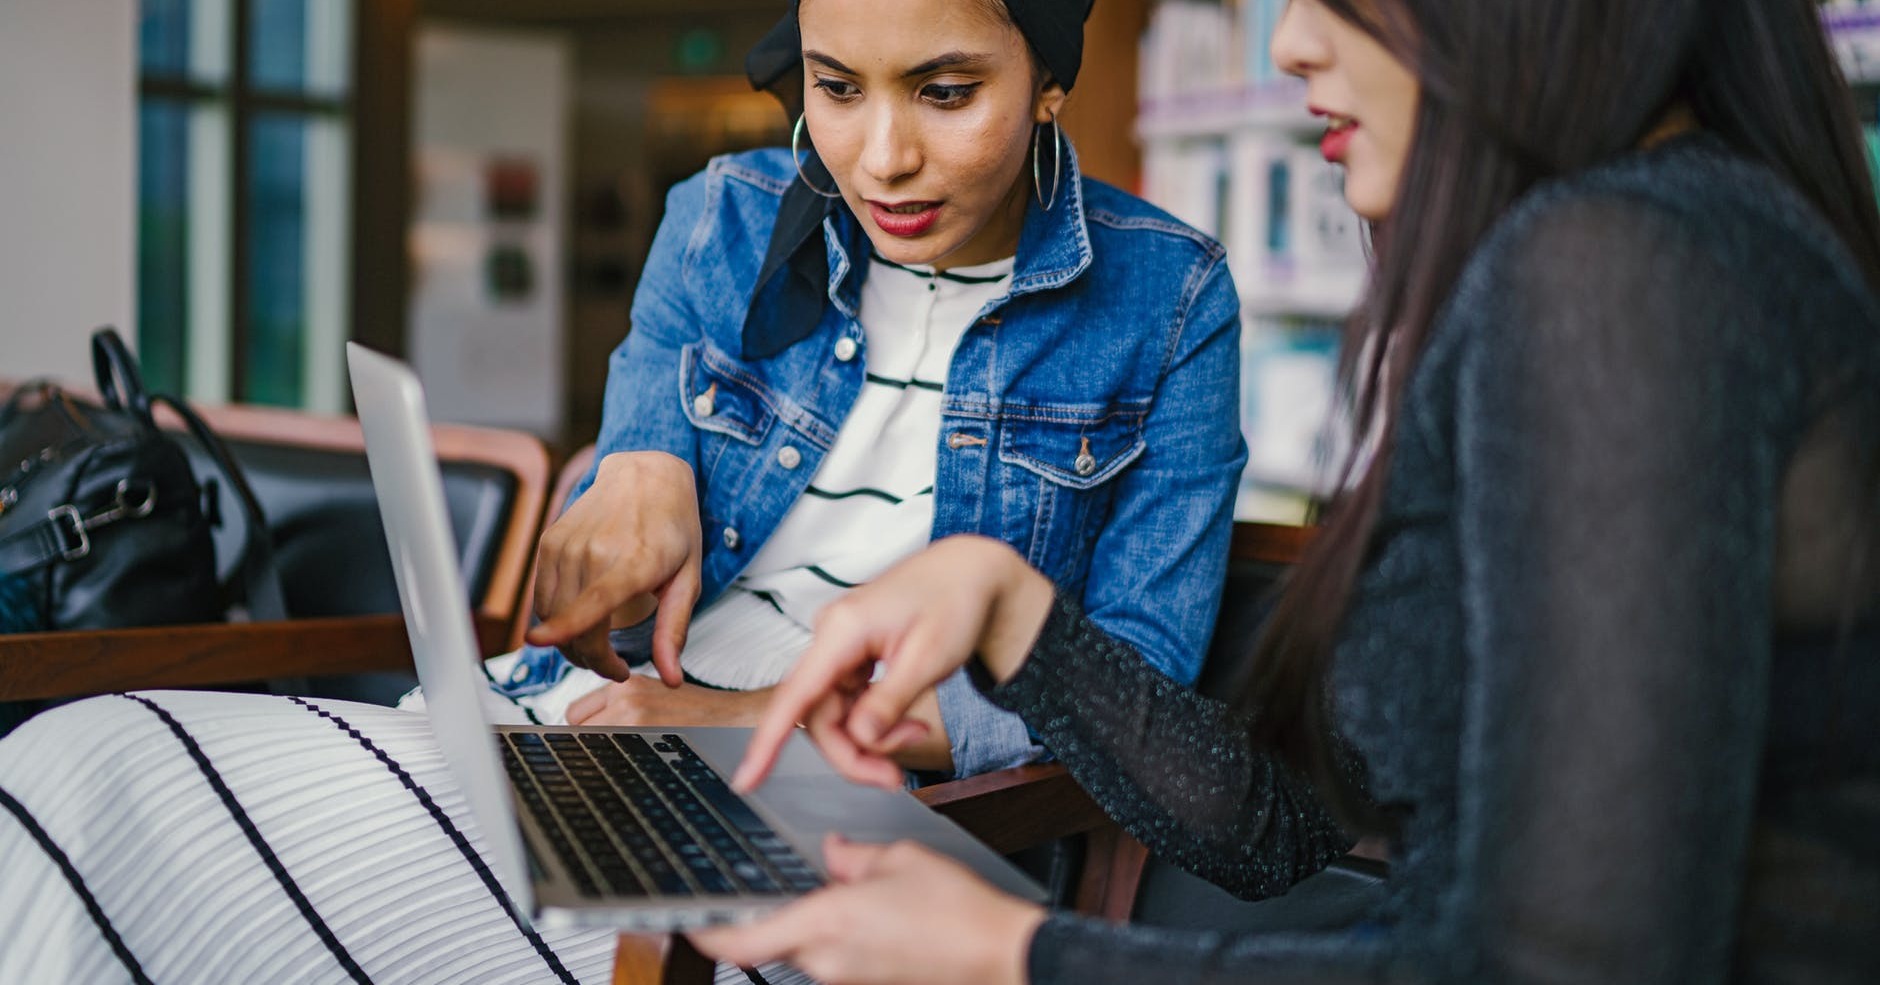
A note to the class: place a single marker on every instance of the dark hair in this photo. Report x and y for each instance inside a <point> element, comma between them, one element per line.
<point>1513,94</point>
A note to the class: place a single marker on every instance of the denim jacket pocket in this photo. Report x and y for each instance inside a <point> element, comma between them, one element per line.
<point>719,396</point>
<point>1070,455</point>
<point>1073,447</point>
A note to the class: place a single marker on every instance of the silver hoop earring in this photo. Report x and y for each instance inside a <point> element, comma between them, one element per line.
<point>1057,163</point>
<point>796,139</point>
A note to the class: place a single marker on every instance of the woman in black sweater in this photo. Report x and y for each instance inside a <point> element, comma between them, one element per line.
<point>1593,634</point>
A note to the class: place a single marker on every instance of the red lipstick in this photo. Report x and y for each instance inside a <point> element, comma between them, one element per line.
<point>1338,133</point>
<point>904,219</point>
<point>1336,142</point>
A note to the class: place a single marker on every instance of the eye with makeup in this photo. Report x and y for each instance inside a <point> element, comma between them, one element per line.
<point>945,95</point>
<point>838,90</point>
<point>949,95</point>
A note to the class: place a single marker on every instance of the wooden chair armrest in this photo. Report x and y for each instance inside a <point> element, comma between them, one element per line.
<point>1017,808</point>
<point>1270,543</point>
<point>659,959</point>
<point>80,662</point>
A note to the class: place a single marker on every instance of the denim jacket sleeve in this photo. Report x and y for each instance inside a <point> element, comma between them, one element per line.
<point>641,410</point>
<point>1158,565</point>
<point>981,736</point>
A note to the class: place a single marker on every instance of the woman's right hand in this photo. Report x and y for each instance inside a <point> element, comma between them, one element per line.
<point>923,619</point>
<point>631,540</point>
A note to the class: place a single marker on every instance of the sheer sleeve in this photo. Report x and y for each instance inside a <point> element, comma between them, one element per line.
<point>1172,767</point>
<point>1617,474</point>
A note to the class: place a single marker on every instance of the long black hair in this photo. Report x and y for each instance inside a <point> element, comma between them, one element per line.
<point>1514,94</point>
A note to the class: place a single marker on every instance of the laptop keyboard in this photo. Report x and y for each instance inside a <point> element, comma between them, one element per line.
<point>627,821</point>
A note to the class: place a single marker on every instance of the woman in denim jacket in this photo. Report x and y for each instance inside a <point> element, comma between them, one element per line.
<point>1088,412</point>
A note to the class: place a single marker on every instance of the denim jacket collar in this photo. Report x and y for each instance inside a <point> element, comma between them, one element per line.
<point>1053,246</point>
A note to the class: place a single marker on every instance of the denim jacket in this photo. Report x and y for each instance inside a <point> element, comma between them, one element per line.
<point>1090,418</point>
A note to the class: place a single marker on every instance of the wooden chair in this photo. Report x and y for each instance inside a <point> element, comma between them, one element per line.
<point>309,472</point>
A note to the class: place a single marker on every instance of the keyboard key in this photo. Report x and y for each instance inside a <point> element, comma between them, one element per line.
<point>645,823</point>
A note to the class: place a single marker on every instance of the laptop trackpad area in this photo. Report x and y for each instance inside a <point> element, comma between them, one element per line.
<point>807,799</point>
<point>813,804</point>
<point>810,807</point>
<point>723,748</point>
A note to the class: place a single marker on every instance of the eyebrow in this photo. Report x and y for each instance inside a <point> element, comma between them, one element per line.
<point>952,59</point>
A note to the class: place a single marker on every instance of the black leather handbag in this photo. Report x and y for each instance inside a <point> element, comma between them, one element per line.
<point>102,522</point>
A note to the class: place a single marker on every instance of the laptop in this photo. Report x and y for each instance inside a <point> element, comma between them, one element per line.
<point>628,828</point>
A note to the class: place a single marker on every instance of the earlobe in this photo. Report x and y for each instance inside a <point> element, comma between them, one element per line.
<point>1050,103</point>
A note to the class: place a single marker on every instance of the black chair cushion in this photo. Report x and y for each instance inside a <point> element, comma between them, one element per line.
<point>329,542</point>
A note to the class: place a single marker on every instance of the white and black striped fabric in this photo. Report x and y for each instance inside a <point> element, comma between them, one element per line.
<point>870,503</point>
<point>185,837</point>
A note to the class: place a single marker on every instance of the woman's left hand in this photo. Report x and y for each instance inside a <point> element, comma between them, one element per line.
<point>895,914</point>
<point>644,700</point>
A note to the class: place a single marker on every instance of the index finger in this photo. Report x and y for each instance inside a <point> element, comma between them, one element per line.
<point>673,620</point>
<point>594,650</point>
<point>838,648</point>
<point>563,621</point>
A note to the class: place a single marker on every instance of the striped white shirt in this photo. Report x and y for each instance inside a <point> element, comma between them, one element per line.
<point>870,503</point>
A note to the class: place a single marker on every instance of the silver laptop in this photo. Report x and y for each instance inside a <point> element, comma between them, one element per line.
<point>629,828</point>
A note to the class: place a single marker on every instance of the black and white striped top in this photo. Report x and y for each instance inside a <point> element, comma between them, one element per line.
<point>870,503</point>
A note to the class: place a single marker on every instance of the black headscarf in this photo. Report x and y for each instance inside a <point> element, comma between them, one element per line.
<point>792,286</point>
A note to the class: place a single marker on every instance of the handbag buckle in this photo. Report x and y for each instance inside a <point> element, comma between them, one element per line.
<point>66,520</point>
<point>124,508</point>
<point>78,539</point>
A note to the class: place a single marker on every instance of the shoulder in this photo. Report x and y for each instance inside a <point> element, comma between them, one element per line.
<point>1694,209</point>
<point>1686,270</point>
<point>1112,213</point>
<point>765,172</point>
<point>711,243</point>
<point>718,222</point>
<point>1143,256</point>
<point>734,192</point>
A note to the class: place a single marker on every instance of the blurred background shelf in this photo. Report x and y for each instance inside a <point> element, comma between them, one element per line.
<point>1277,105</point>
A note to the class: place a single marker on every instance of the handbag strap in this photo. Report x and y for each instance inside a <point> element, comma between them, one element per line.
<point>31,388</point>
<point>115,367</point>
<point>62,535</point>
<point>261,580</point>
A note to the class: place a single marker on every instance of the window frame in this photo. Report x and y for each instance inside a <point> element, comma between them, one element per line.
<point>241,102</point>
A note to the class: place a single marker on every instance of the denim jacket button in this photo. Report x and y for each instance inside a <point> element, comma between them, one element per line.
<point>703,404</point>
<point>732,540</point>
<point>845,349</point>
<point>960,439</point>
<point>1085,464</point>
<point>789,457</point>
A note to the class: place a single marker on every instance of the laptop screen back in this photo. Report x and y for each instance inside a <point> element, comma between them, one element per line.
<point>431,590</point>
